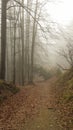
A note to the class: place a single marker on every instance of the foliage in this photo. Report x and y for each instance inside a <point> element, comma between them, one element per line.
<point>68,96</point>
<point>8,86</point>
<point>46,74</point>
<point>2,98</point>
<point>65,104</point>
<point>7,89</point>
<point>58,72</point>
<point>70,83</point>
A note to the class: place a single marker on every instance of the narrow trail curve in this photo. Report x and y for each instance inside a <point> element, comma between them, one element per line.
<point>33,108</point>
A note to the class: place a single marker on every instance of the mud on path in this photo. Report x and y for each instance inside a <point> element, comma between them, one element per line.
<point>33,108</point>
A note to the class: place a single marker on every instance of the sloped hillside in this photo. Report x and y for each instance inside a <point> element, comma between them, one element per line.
<point>64,94</point>
<point>7,90</point>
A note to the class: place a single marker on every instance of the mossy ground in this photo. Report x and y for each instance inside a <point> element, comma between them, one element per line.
<point>65,99</point>
<point>6,90</point>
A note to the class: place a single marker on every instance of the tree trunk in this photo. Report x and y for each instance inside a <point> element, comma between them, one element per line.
<point>22,28</point>
<point>27,40</point>
<point>14,56</point>
<point>3,39</point>
<point>33,42</point>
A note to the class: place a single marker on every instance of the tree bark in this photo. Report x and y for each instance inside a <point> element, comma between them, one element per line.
<point>3,39</point>
<point>27,40</point>
<point>22,44</point>
<point>33,42</point>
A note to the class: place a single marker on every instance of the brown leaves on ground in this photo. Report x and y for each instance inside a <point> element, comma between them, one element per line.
<point>18,108</point>
<point>65,112</point>
<point>7,90</point>
<point>15,111</point>
<point>64,106</point>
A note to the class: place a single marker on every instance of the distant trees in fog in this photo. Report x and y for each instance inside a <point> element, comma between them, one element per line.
<point>19,35</point>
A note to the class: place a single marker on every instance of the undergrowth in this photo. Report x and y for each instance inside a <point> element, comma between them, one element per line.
<point>64,88</point>
<point>7,89</point>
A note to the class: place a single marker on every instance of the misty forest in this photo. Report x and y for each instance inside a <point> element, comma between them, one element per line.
<point>36,65</point>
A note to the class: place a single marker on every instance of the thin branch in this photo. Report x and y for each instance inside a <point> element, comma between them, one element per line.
<point>60,66</point>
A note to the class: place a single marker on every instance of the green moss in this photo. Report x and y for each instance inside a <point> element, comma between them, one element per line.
<point>70,83</point>
<point>8,86</point>
<point>68,96</point>
<point>2,98</point>
<point>14,90</point>
<point>2,86</point>
<point>7,89</point>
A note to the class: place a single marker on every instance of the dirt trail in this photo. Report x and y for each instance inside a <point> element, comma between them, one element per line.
<point>33,108</point>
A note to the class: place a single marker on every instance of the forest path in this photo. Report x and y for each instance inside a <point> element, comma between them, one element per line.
<point>33,108</point>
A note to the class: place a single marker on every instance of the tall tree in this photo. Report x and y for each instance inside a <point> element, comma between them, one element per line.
<point>22,34</point>
<point>27,67</point>
<point>33,41</point>
<point>3,39</point>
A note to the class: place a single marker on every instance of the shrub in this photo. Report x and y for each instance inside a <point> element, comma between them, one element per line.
<point>2,98</point>
<point>8,86</point>
<point>42,72</point>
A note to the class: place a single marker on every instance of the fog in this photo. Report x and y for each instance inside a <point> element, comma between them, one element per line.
<point>35,32</point>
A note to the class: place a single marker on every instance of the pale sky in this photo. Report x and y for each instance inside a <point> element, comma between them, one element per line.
<point>61,12</point>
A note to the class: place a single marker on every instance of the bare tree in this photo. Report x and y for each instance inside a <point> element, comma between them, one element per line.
<point>33,42</point>
<point>67,54</point>
<point>3,39</point>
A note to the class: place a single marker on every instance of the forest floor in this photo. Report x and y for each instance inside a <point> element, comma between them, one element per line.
<point>33,108</point>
